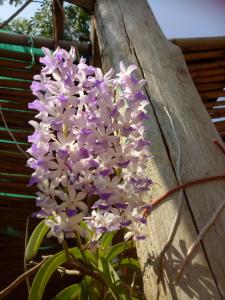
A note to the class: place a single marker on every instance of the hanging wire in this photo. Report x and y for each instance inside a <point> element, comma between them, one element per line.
<point>31,41</point>
<point>11,134</point>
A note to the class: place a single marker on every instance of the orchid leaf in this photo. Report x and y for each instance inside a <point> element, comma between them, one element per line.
<point>106,242</point>
<point>130,263</point>
<point>35,240</point>
<point>72,292</point>
<point>112,279</point>
<point>117,249</point>
<point>85,288</point>
<point>47,269</point>
<point>91,258</point>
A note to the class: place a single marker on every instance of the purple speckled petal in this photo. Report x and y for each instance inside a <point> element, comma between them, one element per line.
<point>126,223</point>
<point>83,153</point>
<point>105,196</point>
<point>140,237</point>
<point>71,212</point>
<point>121,205</point>
<point>105,172</point>
<point>101,229</point>
<point>123,164</point>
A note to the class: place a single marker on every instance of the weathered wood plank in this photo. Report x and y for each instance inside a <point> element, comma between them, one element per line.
<point>128,31</point>
<point>200,44</point>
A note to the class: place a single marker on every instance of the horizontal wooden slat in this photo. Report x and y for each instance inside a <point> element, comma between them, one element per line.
<point>206,73</point>
<point>20,56</point>
<point>8,187</point>
<point>212,95</point>
<point>204,55</point>
<point>210,79</point>
<point>16,104</point>
<point>17,74</point>
<point>206,65</point>
<point>200,44</point>
<point>9,146</point>
<point>210,86</point>
<point>215,103</point>
<point>217,113</point>
<point>19,136</point>
<point>14,166</point>
<point>8,155</point>
<point>20,65</point>
<point>24,95</point>
<point>14,177</point>
<point>15,84</point>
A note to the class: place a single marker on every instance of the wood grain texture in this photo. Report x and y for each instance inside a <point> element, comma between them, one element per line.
<point>127,31</point>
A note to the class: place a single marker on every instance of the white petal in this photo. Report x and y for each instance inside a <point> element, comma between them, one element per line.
<point>122,67</point>
<point>80,196</point>
<point>131,68</point>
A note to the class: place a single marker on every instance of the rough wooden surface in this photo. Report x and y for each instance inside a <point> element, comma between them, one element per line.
<point>128,31</point>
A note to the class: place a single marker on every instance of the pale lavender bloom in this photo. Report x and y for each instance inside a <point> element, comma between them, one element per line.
<point>88,145</point>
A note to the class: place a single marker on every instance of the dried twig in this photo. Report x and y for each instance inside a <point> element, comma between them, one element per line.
<point>153,204</point>
<point>199,238</point>
<point>218,144</point>
<point>6,22</point>
<point>19,280</point>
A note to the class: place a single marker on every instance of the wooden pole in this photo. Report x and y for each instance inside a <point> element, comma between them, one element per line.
<point>128,31</point>
<point>58,21</point>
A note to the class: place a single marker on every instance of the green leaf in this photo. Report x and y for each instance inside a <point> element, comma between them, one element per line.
<point>130,263</point>
<point>72,292</point>
<point>117,249</point>
<point>35,240</point>
<point>106,242</point>
<point>91,258</point>
<point>47,269</point>
<point>112,279</point>
<point>85,288</point>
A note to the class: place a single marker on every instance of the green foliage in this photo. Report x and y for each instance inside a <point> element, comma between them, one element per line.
<point>47,269</point>
<point>105,272</point>
<point>112,279</point>
<point>35,240</point>
<point>69,293</point>
<point>41,24</point>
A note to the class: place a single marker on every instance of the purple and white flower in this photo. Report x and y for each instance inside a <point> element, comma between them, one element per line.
<point>88,147</point>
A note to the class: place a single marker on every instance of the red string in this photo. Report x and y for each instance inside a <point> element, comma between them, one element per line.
<point>186,185</point>
<point>218,144</point>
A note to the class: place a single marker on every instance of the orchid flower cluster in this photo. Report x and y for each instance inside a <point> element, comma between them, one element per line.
<point>88,148</point>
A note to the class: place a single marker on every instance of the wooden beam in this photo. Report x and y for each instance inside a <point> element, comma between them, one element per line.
<point>87,5</point>
<point>128,32</point>
<point>200,44</point>
<point>58,21</point>
<point>24,40</point>
<point>195,56</point>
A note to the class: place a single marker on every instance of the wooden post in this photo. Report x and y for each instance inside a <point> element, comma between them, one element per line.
<point>58,21</point>
<point>128,31</point>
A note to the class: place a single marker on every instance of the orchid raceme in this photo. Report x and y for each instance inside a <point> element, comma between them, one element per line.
<point>88,148</point>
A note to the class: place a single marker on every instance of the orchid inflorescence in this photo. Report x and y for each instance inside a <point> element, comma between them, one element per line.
<point>88,148</point>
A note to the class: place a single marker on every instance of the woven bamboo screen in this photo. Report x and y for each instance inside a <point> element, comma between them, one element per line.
<point>206,62</point>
